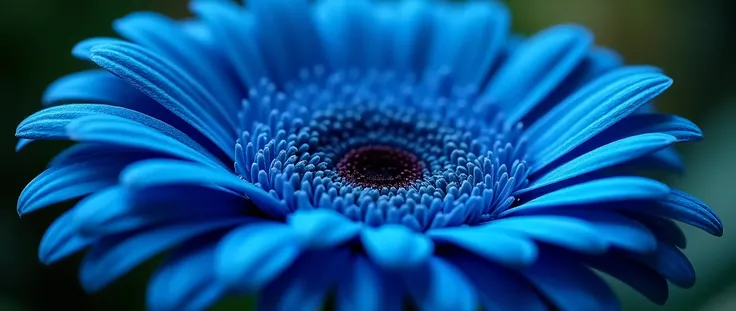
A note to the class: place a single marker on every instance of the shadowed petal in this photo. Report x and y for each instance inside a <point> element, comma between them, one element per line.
<point>496,246</point>
<point>322,228</point>
<point>396,246</point>
<point>366,288</point>
<point>441,286</point>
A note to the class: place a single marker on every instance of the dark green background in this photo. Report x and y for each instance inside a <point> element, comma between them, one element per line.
<point>691,40</point>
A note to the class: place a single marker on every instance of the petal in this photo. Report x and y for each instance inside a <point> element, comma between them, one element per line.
<point>412,32</point>
<point>643,279</point>
<point>613,189</point>
<point>569,285</point>
<point>495,246</point>
<point>158,172</point>
<point>169,86</point>
<point>110,258</point>
<point>396,246</point>
<point>469,40</point>
<point>352,21</point>
<point>186,281</point>
<point>665,229</point>
<point>235,30</point>
<point>549,120</point>
<point>618,152</point>
<point>597,112</point>
<point>253,255</point>
<point>322,228</point>
<point>61,183</point>
<point>563,231</point>
<point>499,288</point>
<point>291,46</point>
<point>536,68</point>
<point>53,123</point>
<point>62,239</point>
<point>621,231</point>
<point>113,130</point>
<point>671,263</point>
<point>683,207</point>
<point>441,286</point>
<point>118,209</point>
<point>366,288</point>
<point>305,284</point>
<point>92,86</point>
<point>166,37</point>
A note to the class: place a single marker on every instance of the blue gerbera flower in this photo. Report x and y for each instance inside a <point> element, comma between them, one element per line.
<point>378,153</point>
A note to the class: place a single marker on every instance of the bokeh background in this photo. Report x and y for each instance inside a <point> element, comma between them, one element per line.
<point>691,40</point>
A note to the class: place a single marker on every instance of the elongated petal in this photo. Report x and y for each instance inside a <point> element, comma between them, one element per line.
<point>567,232</point>
<point>671,263</point>
<point>235,29</point>
<point>322,228</point>
<point>441,286</point>
<point>152,173</point>
<point>367,288</point>
<point>120,131</point>
<point>166,37</point>
<point>683,207</point>
<point>496,246</point>
<point>302,287</point>
<point>186,281</point>
<point>62,239</point>
<point>536,68</point>
<point>92,86</point>
<point>598,112</point>
<point>499,288</point>
<point>609,155</point>
<point>60,183</point>
<point>570,285</point>
<point>252,256</point>
<point>110,258</point>
<point>396,246</point>
<point>53,123</point>
<point>613,189</point>
<point>620,231</point>
<point>166,84</point>
<point>640,277</point>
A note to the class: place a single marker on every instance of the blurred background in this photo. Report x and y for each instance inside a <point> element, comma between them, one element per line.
<point>691,40</point>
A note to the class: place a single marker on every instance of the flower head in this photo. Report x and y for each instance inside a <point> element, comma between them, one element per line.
<point>384,153</point>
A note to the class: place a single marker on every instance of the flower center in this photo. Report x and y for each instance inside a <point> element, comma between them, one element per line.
<point>380,166</point>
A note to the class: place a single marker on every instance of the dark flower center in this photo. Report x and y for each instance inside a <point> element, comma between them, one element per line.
<point>380,166</point>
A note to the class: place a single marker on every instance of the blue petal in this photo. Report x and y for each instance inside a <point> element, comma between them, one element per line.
<point>496,246</point>
<point>291,46</point>
<point>91,86</point>
<point>340,21</point>
<point>235,31</point>
<point>117,210</point>
<point>468,40</point>
<point>112,257</point>
<point>83,49</point>
<point>442,287</point>
<point>253,255</point>
<point>62,239</point>
<point>683,207</point>
<point>366,288</point>
<point>613,189</point>
<point>115,130</point>
<point>53,123</point>
<point>158,172</point>
<point>665,229</point>
<point>569,285</point>
<point>621,231</point>
<point>83,152</point>
<point>563,231</point>
<point>396,246</point>
<point>671,263</point>
<point>305,284</point>
<point>186,281</point>
<point>499,288</point>
<point>536,68</point>
<point>618,152</point>
<point>322,228</point>
<point>60,183</point>
<point>643,279</point>
<point>167,37</point>
<point>169,86</point>
<point>413,33</point>
<point>540,128</point>
<point>595,113</point>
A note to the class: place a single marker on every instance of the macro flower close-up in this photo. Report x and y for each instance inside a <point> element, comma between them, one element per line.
<point>364,155</point>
